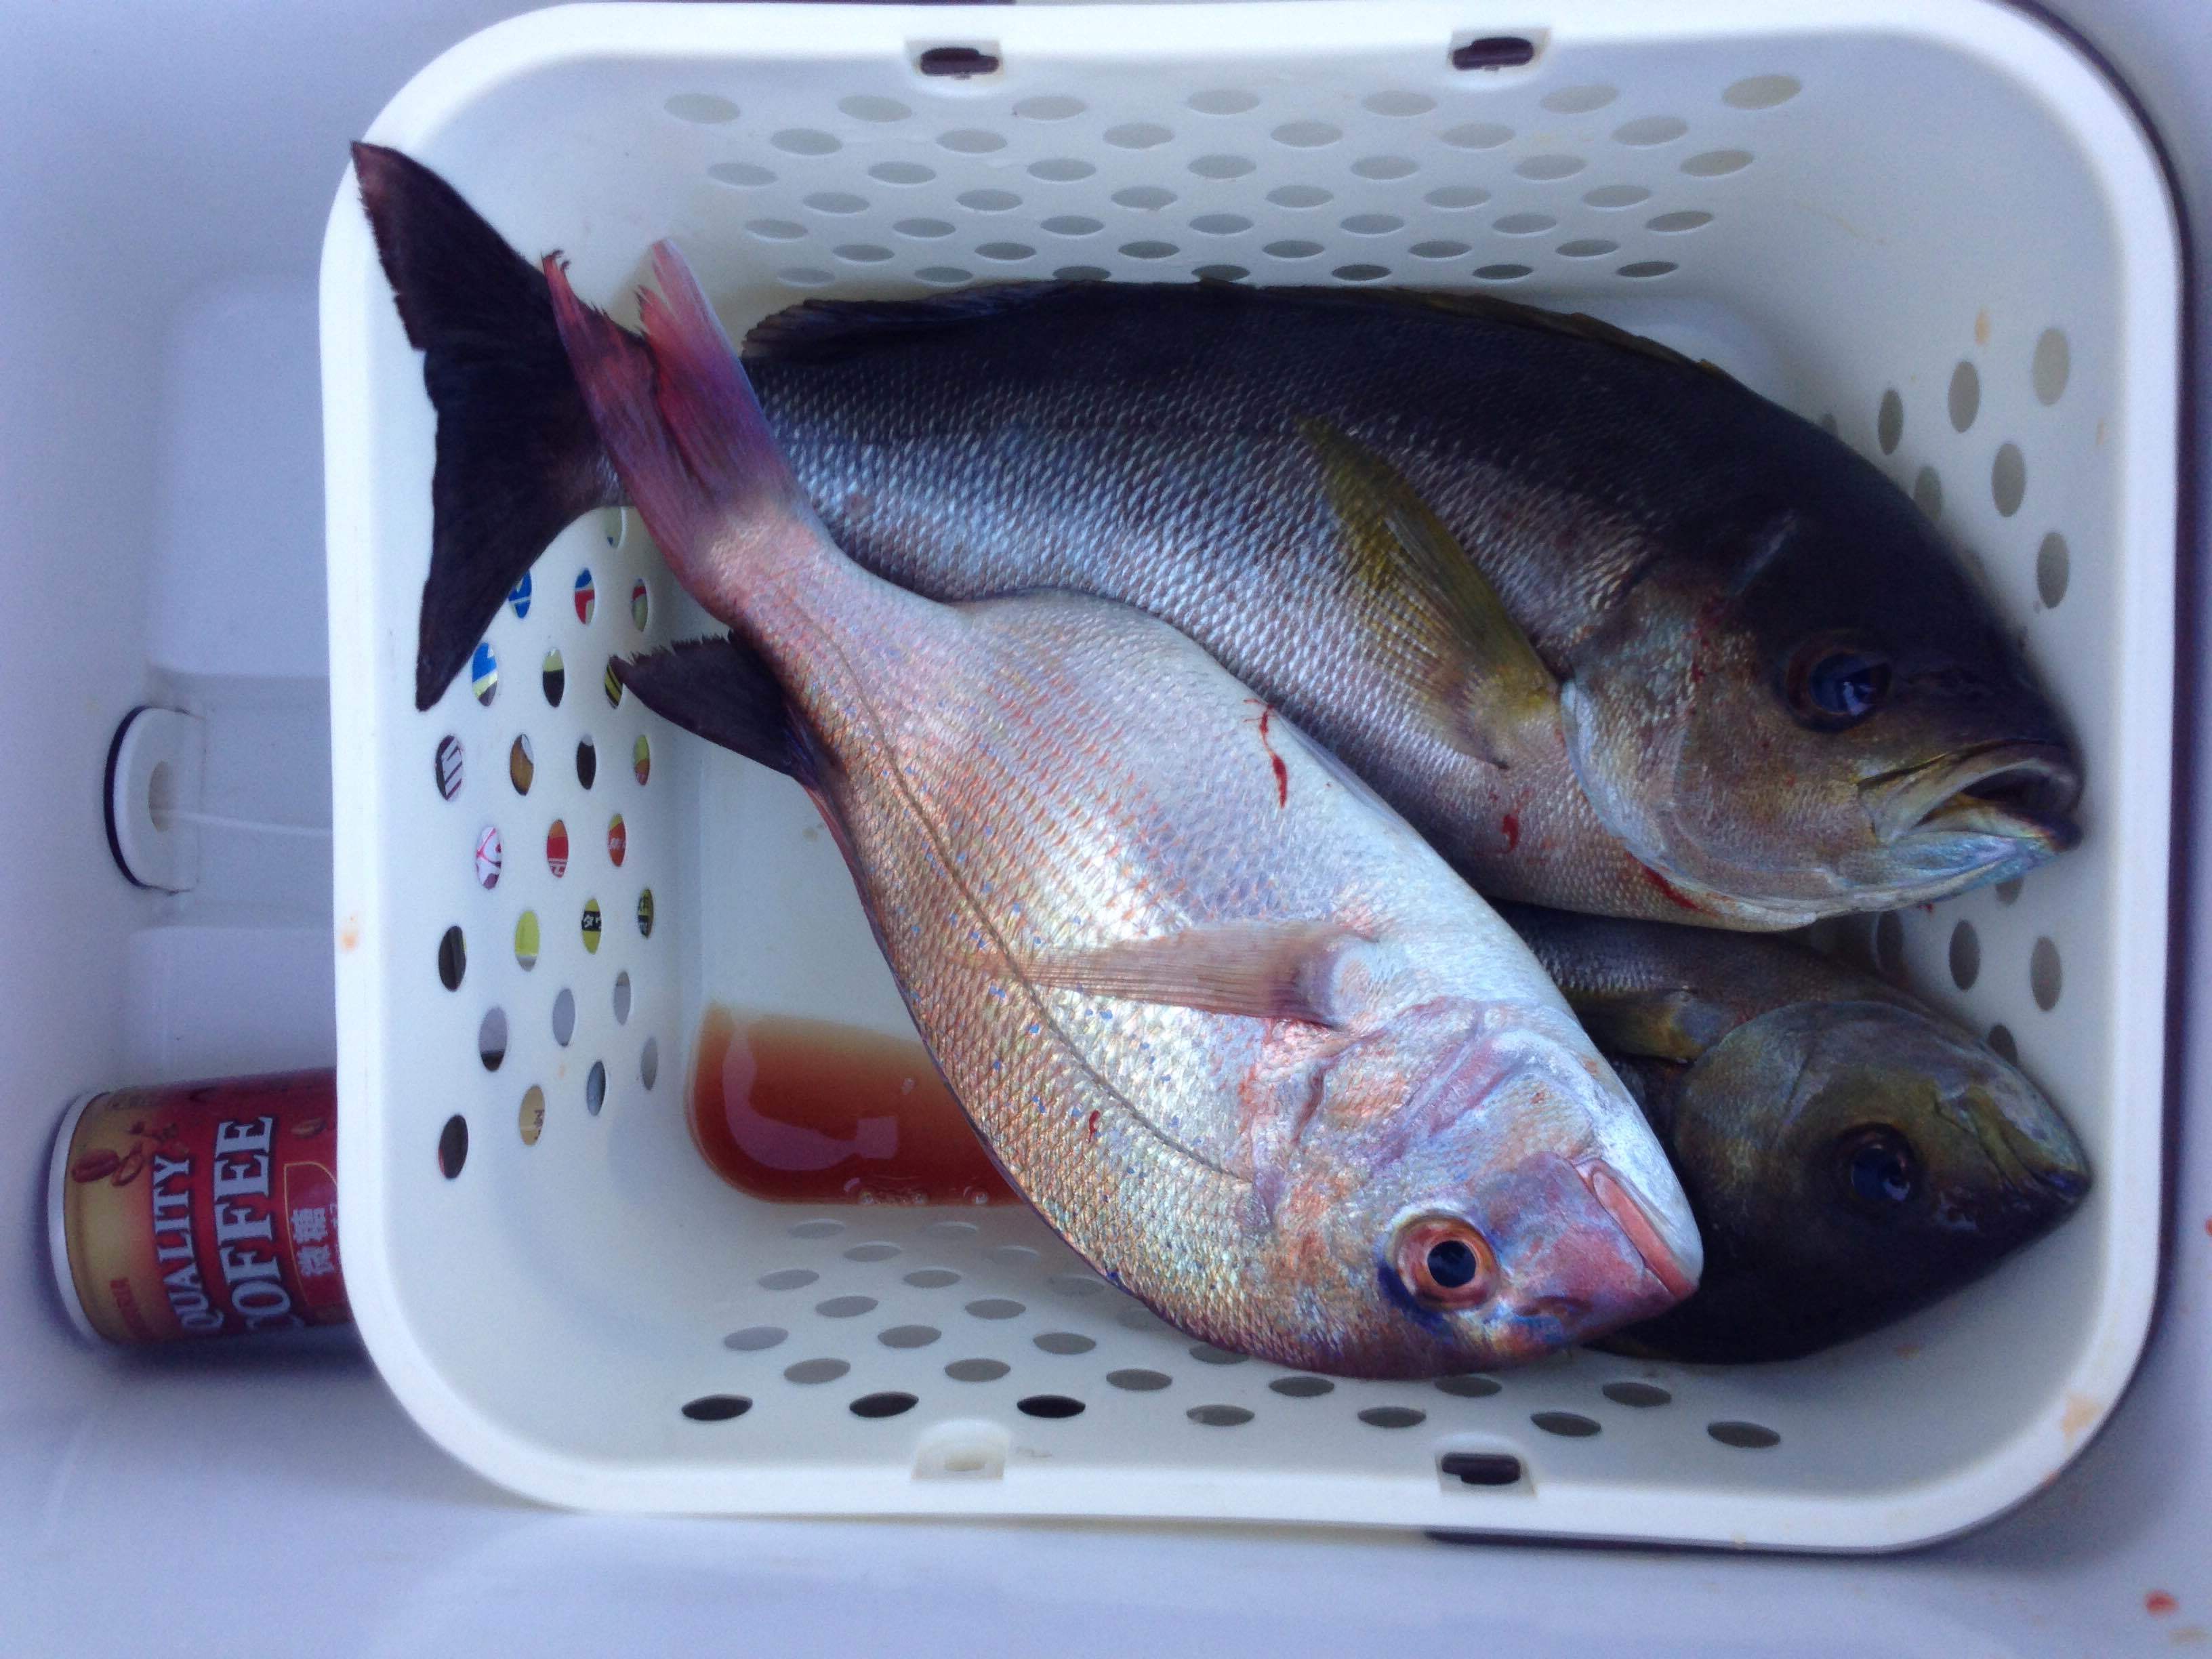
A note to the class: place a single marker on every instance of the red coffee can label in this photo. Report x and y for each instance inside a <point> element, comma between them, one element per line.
<point>206,1209</point>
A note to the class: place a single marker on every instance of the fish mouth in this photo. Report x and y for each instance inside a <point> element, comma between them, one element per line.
<point>2015,791</point>
<point>1674,1263</point>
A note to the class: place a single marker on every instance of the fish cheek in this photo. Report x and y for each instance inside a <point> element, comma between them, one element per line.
<point>1624,707</point>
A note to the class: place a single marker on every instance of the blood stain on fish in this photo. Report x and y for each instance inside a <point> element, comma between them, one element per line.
<point>1282,772</point>
<point>2159,1602</point>
<point>1510,823</point>
<point>1093,1126</point>
<point>1674,894</point>
<point>807,1111</point>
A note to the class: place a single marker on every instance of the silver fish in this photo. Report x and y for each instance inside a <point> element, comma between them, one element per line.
<point>1615,634</point>
<point>1238,1033</point>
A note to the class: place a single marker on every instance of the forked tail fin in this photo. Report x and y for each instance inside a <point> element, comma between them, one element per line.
<point>517,459</point>
<point>687,436</point>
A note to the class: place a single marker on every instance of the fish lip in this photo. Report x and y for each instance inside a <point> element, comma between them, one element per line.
<point>1619,1201</point>
<point>2019,789</point>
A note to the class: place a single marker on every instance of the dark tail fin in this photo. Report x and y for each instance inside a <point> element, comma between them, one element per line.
<point>722,690</point>
<point>687,435</point>
<point>518,458</point>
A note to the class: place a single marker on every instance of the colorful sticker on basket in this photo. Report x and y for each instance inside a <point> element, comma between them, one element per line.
<point>587,597</point>
<point>645,913</point>
<point>592,926</point>
<point>618,842</point>
<point>556,678</point>
<point>641,605</point>
<point>556,848</point>
<point>518,597</point>
<point>640,758</point>
<point>449,767</point>
<point>484,673</point>
<point>587,761</point>
<point>489,856</point>
<point>525,939</point>
<point>614,687</point>
<point>521,765</point>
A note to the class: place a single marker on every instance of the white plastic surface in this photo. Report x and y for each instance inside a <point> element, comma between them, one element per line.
<point>208,135</point>
<point>1859,249</point>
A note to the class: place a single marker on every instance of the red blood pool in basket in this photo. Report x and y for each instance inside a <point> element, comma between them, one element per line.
<point>587,597</point>
<point>556,848</point>
<point>617,841</point>
<point>810,1111</point>
<point>489,857</point>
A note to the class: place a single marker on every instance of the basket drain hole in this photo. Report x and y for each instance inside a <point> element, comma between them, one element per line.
<point>1480,1469</point>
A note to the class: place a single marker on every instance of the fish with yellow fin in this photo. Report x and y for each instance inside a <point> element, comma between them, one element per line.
<point>1615,634</point>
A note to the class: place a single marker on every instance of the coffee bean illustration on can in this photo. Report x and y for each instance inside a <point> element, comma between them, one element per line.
<point>198,1210</point>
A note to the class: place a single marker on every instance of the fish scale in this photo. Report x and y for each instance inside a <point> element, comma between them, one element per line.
<point>1324,1042</point>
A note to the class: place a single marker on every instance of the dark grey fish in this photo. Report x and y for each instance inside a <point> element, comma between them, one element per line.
<point>1615,634</point>
<point>1850,1156</point>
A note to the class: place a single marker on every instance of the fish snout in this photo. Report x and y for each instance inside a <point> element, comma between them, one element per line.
<point>1675,1256</point>
<point>1589,1256</point>
<point>2019,791</point>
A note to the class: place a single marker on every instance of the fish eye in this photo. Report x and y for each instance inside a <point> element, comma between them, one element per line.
<point>1878,1168</point>
<point>1833,684</point>
<point>1445,1262</point>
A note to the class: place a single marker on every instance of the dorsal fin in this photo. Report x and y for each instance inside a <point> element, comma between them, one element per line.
<point>814,329</point>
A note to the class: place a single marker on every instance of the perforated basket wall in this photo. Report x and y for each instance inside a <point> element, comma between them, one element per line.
<point>1930,222</point>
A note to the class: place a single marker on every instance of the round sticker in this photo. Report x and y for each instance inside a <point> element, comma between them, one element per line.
<point>587,597</point>
<point>518,597</point>
<point>525,940</point>
<point>556,678</point>
<point>521,766</point>
<point>587,761</point>
<point>641,605</point>
<point>484,673</point>
<point>592,926</point>
<point>556,848</point>
<point>449,767</point>
<point>640,758</point>
<point>489,855</point>
<point>618,842</point>
<point>645,913</point>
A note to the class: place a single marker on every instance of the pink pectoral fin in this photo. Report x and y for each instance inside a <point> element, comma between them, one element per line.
<point>1306,970</point>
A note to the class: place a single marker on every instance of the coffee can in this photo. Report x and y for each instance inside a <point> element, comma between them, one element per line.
<point>198,1209</point>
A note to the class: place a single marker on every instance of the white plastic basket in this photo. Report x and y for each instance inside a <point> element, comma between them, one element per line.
<point>1927,219</point>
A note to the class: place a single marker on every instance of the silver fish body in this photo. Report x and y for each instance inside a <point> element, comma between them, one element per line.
<point>1747,685</point>
<point>1238,1034</point>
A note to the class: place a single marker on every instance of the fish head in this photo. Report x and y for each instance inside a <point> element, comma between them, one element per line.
<point>1476,1188</point>
<point>1851,1161</point>
<point>1818,714</point>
